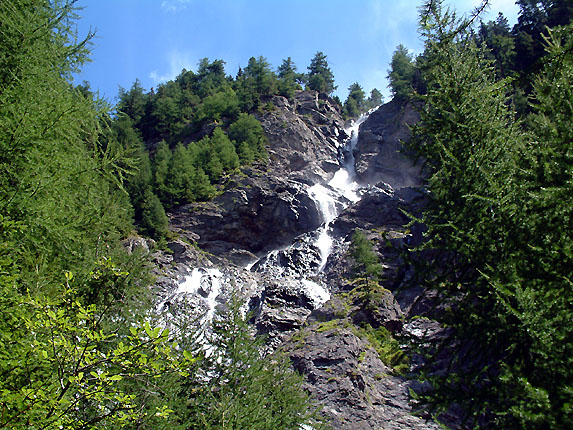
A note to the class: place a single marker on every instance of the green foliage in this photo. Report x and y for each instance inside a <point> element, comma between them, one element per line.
<point>62,367</point>
<point>161,164</point>
<point>181,110</point>
<point>355,104</point>
<point>320,77</point>
<point>225,150</point>
<point>223,103</point>
<point>534,17</point>
<point>247,130</point>
<point>496,35</point>
<point>244,389</point>
<point>154,221</point>
<point>58,177</point>
<point>498,202</point>
<point>82,356</point>
<point>401,74</point>
<point>387,347</point>
<point>258,72</point>
<point>289,79</point>
<point>366,260</point>
<point>375,99</point>
<point>133,102</point>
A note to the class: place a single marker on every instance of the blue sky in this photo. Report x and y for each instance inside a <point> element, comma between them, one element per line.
<point>153,40</point>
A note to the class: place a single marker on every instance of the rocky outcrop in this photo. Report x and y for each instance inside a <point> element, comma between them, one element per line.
<point>379,207</point>
<point>305,136</point>
<point>256,214</point>
<point>347,376</point>
<point>266,207</point>
<point>379,152</point>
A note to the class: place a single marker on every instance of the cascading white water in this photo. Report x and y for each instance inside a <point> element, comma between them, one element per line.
<point>327,206</point>
<point>341,189</point>
<point>203,286</point>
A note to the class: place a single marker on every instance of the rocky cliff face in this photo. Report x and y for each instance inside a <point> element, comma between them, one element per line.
<point>268,206</point>
<point>260,237</point>
<point>305,136</point>
<point>379,153</point>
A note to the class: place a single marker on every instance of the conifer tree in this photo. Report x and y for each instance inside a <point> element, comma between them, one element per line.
<point>401,73</point>
<point>366,261</point>
<point>248,130</point>
<point>375,99</point>
<point>225,150</point>
<point>161,163</point>
<point>259,72</point>
<point>355,103</point>
<point>245,389</point>
<point>289,79</point>
<point>320,77</point>
<point>497,246</point>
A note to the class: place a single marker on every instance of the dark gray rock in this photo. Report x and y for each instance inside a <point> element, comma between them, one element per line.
<point>265,213</point>
<point>304,135</point>
<point>301,258</point>
<point>348,379</point>
<point>379,152</point>
<point>379,207</point>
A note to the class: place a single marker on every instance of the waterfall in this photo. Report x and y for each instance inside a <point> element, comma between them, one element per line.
<point>202,288</point>
<point>296,265</point>
<point>340,191</point>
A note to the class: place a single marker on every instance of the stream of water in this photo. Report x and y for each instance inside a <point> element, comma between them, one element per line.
<point>205,285</point>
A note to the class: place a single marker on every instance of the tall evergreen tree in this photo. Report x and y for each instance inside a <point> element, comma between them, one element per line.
<point>355,103</point>
<point>401,73</point>
<point>320,77</point>
<point>259,72</point>
<point>496,35</point>
<point>498,248</point>
<point>289,79</point>
<point>375,99</point>
<point>132,102</point>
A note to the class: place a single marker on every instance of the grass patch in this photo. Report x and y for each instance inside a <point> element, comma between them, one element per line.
<point>387,347</point>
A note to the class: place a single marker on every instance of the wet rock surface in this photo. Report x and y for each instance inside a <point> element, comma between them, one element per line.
<point>267,206</point>
<point>257,214</point>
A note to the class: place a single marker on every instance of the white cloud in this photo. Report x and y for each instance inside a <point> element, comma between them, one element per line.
<point>174,5</point>
<point>177,61</point>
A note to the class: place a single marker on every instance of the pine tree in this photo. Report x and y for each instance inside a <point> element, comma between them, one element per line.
<point>355,103</point>
<point>366,261</point>
<point>320,77</point>
<point>259,72</point>
<point>225,150</point>
<point>245,389</point>
<point>495,216</point>
<point>289,79</point>
<point>247,129</point>
<point>375,99</point>
<point>161,163</point>
<point>401,73</point>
